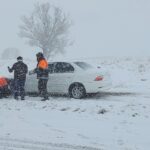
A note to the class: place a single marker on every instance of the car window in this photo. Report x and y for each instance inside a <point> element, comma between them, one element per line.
<point>51,68</point>
<point>84,65</point>
<point>62,67</point>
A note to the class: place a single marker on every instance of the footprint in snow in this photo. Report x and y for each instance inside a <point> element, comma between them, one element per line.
<point>135,114</point>
<point>44,107</point>
<point>77,109</point>
<point>64,109</point>
<point>102,111</point>
<point>83,110</point>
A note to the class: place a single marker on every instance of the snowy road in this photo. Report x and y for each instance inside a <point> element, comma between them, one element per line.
<point>14,144</point>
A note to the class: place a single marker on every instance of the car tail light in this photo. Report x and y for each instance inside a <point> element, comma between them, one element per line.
<point>98,78</point>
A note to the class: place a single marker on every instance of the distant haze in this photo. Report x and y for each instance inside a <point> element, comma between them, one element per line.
<point>100,27</point>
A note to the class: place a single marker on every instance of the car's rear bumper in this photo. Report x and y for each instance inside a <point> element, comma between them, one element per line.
<point>97,86</point>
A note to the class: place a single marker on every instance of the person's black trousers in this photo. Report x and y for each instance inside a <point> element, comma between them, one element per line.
<point>19,88</point>
<point>42,87</point>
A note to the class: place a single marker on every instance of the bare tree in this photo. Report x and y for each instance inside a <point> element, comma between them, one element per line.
<point>47,28</point>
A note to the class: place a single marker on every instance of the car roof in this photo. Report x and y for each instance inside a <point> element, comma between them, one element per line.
<point>64,62</point>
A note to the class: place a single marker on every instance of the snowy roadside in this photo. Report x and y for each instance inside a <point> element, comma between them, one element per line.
<point>117,119</point>
<point>108,122</point>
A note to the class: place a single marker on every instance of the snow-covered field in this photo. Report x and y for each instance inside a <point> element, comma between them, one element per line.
<point>117,119</point>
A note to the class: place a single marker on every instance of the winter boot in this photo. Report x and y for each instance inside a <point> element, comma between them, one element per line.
<point>45,98</point>
<point>22,98</point>
<point>16,98</point>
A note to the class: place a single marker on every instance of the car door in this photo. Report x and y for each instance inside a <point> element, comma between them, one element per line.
<point>61,77</point>
<point>31,83</point>
<point>51,82</point>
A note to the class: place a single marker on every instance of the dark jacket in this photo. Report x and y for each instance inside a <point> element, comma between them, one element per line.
<point>42,69</point>
<point>20,70</point>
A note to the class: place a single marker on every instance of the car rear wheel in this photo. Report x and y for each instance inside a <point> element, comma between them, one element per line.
<point>77,91</point>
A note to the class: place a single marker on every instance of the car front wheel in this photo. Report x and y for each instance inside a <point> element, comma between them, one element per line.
<point>77,91</point>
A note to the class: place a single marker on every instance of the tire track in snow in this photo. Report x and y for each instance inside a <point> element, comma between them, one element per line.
<point>15,144</point>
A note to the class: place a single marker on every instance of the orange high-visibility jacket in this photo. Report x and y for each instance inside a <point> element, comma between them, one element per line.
<point>43,64</point>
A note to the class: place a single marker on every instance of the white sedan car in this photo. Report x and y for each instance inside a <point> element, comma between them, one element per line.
<point>73,78</point>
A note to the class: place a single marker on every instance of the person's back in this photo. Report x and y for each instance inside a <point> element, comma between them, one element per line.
<point>20,70</point>
<point>42,69</point>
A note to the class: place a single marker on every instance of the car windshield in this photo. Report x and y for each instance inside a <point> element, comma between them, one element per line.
<point>84,65</point>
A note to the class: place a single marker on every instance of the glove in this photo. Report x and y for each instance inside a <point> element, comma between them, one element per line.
<point>8,68</point>
<point>31,72</point>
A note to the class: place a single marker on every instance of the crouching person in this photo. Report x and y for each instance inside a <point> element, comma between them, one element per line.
<point>4,91</point>
<point>20,70</point>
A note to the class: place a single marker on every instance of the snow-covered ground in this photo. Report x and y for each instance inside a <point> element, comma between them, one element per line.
<point>117,119</point>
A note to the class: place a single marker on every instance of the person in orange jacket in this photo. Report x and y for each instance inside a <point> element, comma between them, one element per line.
<point>42,75</point>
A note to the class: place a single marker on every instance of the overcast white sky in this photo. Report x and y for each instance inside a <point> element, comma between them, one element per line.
<point>101,27</point>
